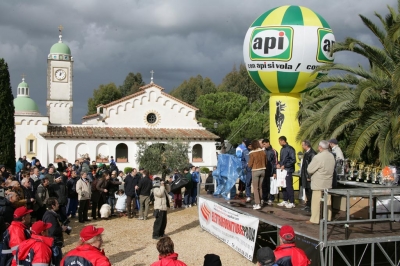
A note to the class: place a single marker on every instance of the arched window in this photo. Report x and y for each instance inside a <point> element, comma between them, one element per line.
<point>27,91</point>
<point>23,91</point>
<point>121,153</point>
<point>197,153</point>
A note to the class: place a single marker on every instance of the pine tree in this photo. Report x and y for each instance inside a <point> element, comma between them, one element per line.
<point>7,126</point>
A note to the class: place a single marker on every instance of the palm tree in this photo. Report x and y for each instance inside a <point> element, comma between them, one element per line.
<point>363,106</point>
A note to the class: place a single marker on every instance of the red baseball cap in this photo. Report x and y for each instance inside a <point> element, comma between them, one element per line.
<point>88,232</point>
<point>21,211</point>
<point>39,227</point>
<point>287,232</point>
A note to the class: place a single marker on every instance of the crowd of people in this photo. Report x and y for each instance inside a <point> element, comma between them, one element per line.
<point>261,163</point>
<point>52,196</point>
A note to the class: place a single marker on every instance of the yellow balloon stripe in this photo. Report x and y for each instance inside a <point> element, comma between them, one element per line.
<point>270,79</point>
<point>302,80</point>
<point>310,18</point>
<point>276,16</point>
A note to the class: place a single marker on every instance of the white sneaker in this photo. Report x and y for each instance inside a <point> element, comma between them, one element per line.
<point>190,206</point>
<point>248,199</point>
<point>290,205</point>
<point>256,207</point>
<point>282,204</point>
<point>270,202</point>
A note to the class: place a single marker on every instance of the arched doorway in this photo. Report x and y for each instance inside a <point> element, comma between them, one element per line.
<point>197,153</point>
<point>121,153</point>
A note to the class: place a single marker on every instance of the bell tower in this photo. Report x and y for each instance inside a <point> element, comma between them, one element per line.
<point>59,83</point>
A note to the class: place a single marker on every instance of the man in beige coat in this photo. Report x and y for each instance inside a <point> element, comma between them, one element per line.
<point>161,204</point>
<point>84,191</point>
<point>321,170</point>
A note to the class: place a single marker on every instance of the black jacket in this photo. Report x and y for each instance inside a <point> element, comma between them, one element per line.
<point>145,186</point>
<point>288,158</point>
<point>59,190</point>
<point>55,231</point>
<point>28,195</point>
<point>308,156</point>
<point>113,186</point>
<point>130,183</point>
<point>6,215</point>
<point>272,161</point>
<point>71,186</point>
<point>209,182</point>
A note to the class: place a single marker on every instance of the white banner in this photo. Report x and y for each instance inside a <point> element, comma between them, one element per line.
<point>235,229</point>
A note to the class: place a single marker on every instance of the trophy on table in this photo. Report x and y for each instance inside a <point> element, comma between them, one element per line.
<point>375,174</point>
<point>353,164</point>
<point>368,170</point>
<point>360,171</point>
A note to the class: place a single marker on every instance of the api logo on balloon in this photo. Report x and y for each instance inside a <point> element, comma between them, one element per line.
<point>271,43</point>
<point>325,44</point>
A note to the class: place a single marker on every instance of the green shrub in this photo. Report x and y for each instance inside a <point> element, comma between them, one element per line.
<point>128,170</point>
<point>204,170</point>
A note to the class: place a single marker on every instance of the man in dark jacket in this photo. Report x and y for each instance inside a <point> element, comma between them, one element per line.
<point>113,187</point>
<point>188,188</point>
<point>59,190</point>
<point>144,188</point>
<point>6,216</point>
<point>28,193</point>
<point>56,230</point>
<point>287,162</point>
<point>309,154</point>
<point>272,161</point>
<point>72,195</point>
<point>51,175</point>
<point>131,181</point>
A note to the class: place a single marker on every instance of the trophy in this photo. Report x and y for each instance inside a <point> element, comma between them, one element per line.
<point>368,170</point>
<point>360,171</point>
<point>375,174</point>
<point>353,164</point>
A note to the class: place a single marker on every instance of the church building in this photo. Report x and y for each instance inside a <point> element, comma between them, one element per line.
<point>150,115</point>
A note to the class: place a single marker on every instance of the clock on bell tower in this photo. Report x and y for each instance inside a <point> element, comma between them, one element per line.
<point>59,83</point>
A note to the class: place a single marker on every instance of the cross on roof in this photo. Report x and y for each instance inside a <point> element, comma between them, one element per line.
<point>152,72</point>
<point>60,28</point>
<point>23,76</point>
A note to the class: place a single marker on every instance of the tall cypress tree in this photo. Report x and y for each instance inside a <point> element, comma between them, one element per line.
<point>7,126</point>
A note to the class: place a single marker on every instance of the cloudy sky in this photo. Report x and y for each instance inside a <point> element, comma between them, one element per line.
<point>175,38</point>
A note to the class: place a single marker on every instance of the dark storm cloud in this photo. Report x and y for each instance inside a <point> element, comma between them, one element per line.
<point>177,39</point>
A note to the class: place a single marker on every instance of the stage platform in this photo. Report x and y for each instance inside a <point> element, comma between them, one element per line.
<point>278,216</point>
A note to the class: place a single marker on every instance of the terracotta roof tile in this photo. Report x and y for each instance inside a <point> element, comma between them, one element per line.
<point>151,85</point>
<point>176,99</point>
<point>122,99</point>
<point>90,116</point>
<point>126,132</point>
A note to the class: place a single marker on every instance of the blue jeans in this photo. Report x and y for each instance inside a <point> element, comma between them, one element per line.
<point>186,198</point>
<point>111,202</point>
<point>288,192</point>
<point>193,195</point>
<point>233,191</point>
<point>72,207</point>
<point>248,182</point>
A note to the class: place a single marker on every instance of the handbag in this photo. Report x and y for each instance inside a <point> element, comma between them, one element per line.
<point>281,178</point>
<point>178,183</point>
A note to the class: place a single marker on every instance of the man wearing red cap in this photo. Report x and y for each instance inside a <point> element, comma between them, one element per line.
<point>17,232</point>
<point>88,253</point>
<point>288,251</point>
<point>37,249</point>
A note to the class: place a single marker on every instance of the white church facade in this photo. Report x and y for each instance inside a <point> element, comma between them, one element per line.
<point>149,115</point>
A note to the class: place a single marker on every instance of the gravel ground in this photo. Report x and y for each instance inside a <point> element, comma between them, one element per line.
<point>129,241</point>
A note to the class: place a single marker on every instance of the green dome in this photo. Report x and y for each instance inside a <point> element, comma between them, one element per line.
<point>23,84</point>
<point>25,104</point>
<point>60,48</point>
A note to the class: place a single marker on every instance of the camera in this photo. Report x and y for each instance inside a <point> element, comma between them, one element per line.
<point>69,228</point>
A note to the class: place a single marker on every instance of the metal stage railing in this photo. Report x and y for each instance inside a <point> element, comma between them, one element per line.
<point>327,247</point>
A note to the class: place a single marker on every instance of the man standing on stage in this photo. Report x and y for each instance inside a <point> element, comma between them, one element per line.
<point>309,154</point>
<point>272,161</point>
<point>287,162</point>
<point>321,170</point>
<point>333,143</point>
